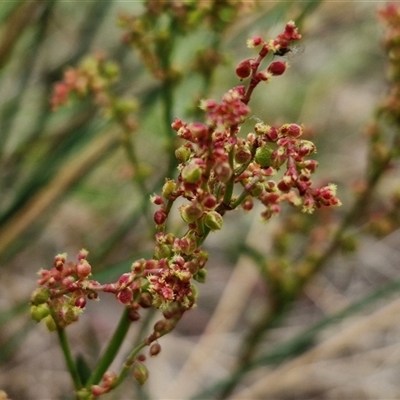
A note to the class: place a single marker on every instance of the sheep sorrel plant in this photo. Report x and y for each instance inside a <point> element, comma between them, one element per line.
<point>220,169</point>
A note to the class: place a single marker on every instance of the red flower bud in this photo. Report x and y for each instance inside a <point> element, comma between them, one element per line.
<point>243,69</point>
<point>155,349</point>
<point>83,269</point>
<point>159,217</point>
<point>277,68</point>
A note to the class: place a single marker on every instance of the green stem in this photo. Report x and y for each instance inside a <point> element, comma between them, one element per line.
<point>62,337</point>
<point>128,364</point>
<point>229,186</point>
<point>111,350</point>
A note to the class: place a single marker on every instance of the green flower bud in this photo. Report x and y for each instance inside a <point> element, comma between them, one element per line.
<point>162,251</point>
<point>190,212</point>
<point>141,374</point>
<point>50,323</point>
<point>40,296</point>
<point>263,156</point>
<point>39,312</point>
<point>200,276</point>
<point>168,188</point>
<point>182,154</point>
<point>191,173</point>
<point>257,189</point>
<point>213,220</point>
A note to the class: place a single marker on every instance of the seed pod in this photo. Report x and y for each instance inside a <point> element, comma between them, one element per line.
<point>263,156</point>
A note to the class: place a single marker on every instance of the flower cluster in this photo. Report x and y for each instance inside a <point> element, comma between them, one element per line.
<point>63,291</point>
<point>95,77</point>
<point>278,46</point>
<point>153,33</point>
<point>219,170</point>
<point>164,283</point>
<point>270,164</point>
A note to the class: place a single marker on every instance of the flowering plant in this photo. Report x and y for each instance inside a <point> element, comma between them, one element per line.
<point>219,170</point>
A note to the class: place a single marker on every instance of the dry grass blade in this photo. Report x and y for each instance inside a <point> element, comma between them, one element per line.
<point>295,374</point>
<point>66,177</point>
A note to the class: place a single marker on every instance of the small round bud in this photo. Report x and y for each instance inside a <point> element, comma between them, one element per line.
<point>141,374</point>
<point>168,188</point>
<point>292,130</point>
<point>80,302</point>
<point>253,42</point>
<point>200,276</point>
<point>190,212</point>
<point>223,172</point>
<point>263,156</point>
<point>191,173</point>
<point>182,154</point>
<point>242,156</point>
<point>243,69</point>
<point>83,269</point>
<point>133,315</point>
<point>50,323</point>
<point>39,312</point>
<point>277,68</point>
<point>40,296</point>
<point>257,189</point>
<point>209,202</point>
<point>213,220</point>
<point>157,200</point>
<point>160,217</point>
<point>199,130</point>
<point>145,300</point>
<point>155,349</point>
<point>125,296</point>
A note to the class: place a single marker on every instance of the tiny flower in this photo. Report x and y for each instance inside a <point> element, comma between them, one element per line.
<point>209,201</point>
<point>133,315</point>
<point>125,296</point>
<point>39,312</point>
<point>145,300</point>
<point>182,154</point>
<point>155,349</point>
<point>213,220</point>
<point>243,155</point>
<point>40,296</point>
<point>83,269</point>
<point>243,69</point>
<point>292,130</point>
<point>160,217</point>
<point>208,104</point>
<point>200,276</point>
<point>50,323</point>
<point>192,172</point>
<point>157,200</point>
<point>277,68</point>
<point>253,42</point>
<point>191,212</point>
<point>80,302</point>
<point>177,124</point>
<point>263,156</point>
<point>141,374</point>
<point>223,171</point>
<point>199,130</point>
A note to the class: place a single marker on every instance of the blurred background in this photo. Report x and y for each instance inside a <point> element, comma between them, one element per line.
<point>66,183</point>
